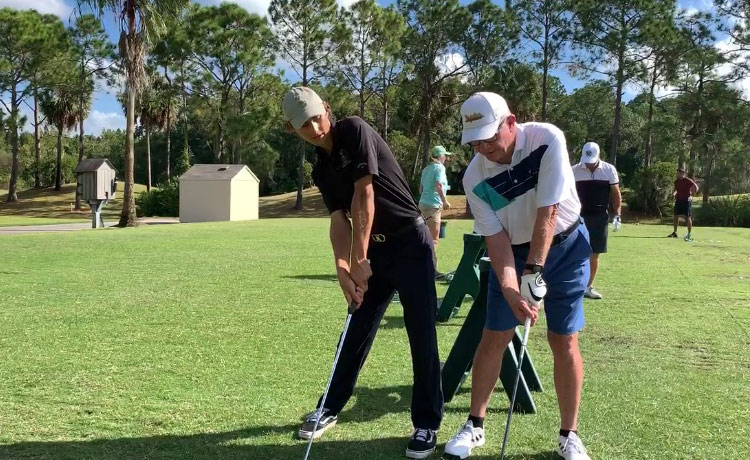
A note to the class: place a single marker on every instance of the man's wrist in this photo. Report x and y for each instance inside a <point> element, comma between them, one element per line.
<point>533,268</point>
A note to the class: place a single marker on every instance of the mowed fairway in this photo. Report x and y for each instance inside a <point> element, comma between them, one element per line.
<point>210,341</point>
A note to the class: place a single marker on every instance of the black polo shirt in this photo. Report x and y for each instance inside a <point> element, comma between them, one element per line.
<point>359,151</point>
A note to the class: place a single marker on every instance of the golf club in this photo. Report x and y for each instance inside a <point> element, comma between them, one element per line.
<point>352,309</point>
<point>526,327</point>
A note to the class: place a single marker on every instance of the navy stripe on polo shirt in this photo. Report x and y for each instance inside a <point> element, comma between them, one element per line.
<point>501,190</point>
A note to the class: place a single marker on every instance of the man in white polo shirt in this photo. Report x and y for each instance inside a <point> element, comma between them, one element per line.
<point>598,188</point>
<point>522,193</point>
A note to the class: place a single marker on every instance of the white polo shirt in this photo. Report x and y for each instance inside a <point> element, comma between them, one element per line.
<point>507,196</point>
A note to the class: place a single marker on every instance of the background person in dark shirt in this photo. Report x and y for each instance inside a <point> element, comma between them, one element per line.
<point>684,190</point>
<point>385,247</point>
<point>597,183</point>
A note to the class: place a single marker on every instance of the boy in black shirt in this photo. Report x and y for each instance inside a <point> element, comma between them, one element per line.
<point>385,247</point>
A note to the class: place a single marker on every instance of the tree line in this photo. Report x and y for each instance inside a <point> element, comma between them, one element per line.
<point>202,83</point>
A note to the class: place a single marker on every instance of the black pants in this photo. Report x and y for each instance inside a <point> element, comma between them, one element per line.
<point>403,263</point>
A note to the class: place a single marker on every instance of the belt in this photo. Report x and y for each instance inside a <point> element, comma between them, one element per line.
<point>383,237</point>
<point>557,239</point>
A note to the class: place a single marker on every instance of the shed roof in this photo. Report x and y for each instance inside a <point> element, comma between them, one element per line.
<point>216,172</point>
<point>92,164</point>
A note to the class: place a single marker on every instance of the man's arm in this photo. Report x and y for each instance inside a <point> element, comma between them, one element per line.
<point>502,261</point>
<point>363,213</point>
<point>544,231</point>
<point>341,241</point>
<point>615,198</point>
<point>441,192</point>
<point>694,189</point>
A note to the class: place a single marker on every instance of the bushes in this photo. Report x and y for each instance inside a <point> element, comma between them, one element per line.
<point>727,211</point>
<point>163,201</point>
<point>652,189</point>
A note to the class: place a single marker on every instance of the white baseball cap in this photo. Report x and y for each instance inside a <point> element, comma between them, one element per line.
<point>590,153</point>
<point>481,115</point>
<point>300,104</point>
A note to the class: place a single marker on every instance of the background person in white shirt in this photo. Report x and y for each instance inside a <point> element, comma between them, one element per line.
<point>522,193</point>
<point>598,186</point>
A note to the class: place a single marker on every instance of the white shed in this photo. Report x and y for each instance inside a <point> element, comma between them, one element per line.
<point>218,192</point>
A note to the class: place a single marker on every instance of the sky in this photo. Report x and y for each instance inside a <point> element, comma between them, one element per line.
<point>107,113</point>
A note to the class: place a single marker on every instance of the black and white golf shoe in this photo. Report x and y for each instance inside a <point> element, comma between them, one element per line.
<point>422,443</point>
<point>327,420</point>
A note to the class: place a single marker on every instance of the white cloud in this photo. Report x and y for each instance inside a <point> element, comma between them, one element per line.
<point>260,7</point>
<point>99,121</point>
<point>449,62</point>
<point>56,7</point>
<point>727,46</point>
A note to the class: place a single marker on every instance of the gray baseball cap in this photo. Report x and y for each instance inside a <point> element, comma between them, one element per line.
<point>300,104</point>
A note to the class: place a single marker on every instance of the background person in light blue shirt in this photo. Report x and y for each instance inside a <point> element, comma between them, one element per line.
<point>432,189</point>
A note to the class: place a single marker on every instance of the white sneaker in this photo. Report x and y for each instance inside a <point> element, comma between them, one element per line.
<point>591,293</point>
<point>465,440</point>
<point>571,448</point>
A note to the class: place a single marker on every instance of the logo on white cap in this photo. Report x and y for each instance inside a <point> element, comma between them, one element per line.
<point>590,153</point>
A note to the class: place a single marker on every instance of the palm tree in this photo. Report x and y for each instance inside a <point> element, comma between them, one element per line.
<point>153,111</point>
<point>141,21</point>
<point>60,107</point>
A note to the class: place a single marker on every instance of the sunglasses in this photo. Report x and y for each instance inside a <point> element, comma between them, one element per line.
<point>491,139</point>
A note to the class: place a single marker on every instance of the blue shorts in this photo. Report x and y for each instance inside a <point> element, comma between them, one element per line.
<point>566,272</point>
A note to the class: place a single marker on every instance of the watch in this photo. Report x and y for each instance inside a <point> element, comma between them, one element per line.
<point>534,268</point>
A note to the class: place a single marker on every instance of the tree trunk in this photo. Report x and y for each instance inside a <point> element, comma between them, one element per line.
<point>545,69</point>
<point>148,156</point>
<point>13,128</point>
<point>300,175</point>
<point>169,134</point>
<point>707,170</point>
<point>58,163</point>
<point>385,118</point>
<point>37,144</point>
<point>185,144</point>
<point>80,147</point>
<point>301,151</point>
<point>612,156</point>
<point>649,122</point>
<point>128,217</point>
<point>80,128</point>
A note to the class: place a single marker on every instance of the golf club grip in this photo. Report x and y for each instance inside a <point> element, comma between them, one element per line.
<point>352,307</point>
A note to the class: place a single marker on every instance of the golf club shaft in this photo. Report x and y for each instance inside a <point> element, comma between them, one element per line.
<point>352,308</point>
<point>526,327</point>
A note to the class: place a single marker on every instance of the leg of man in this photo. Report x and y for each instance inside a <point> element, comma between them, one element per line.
<point>676,222</point>
<point>594,264</point>
<point>566,273</point>
<point>568,376</point>
<point>486,368</point>
<point>432,218</point>
<point>359,338</point>
<point>413,275</point>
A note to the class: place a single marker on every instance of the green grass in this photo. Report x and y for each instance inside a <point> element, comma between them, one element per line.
<point>210,341</point>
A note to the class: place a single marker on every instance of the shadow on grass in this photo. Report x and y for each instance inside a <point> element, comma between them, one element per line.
<point>226,445</point>
<point>370,404</point>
